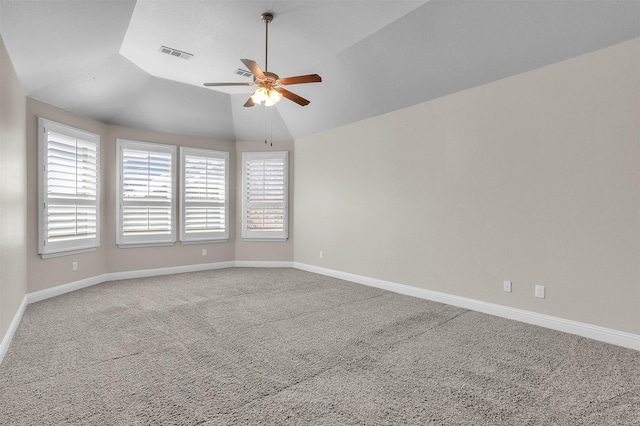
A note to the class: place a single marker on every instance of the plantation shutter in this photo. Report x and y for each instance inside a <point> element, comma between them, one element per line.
<point>69,189</point>
<point>146,193</point>
<point>204,199</point>
<point>265,192</point>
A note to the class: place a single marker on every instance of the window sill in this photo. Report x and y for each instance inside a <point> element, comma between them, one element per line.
<point>190,242</point>
<point>67,253</point>
<point>139,245</point>
<point>266,240</point>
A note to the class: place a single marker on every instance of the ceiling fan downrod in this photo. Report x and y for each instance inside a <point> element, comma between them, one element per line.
<point>266,18</point>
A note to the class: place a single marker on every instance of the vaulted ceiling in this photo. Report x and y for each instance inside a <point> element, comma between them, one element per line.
<point>102,58</point>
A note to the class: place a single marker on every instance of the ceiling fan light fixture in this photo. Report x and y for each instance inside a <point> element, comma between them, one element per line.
<point>274,97</point>
<point>270,97</point>
<point>260,95</point>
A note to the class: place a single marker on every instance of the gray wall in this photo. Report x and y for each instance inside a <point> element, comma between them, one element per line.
<point>13,207</point>
<point>533,179</point>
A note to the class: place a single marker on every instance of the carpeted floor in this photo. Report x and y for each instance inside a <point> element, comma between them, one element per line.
<point>283,346</point>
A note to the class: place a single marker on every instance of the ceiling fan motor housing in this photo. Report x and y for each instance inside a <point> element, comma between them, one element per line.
<point>271,79</point>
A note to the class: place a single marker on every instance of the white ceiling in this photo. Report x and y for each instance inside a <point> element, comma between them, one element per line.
<point>101,58</point>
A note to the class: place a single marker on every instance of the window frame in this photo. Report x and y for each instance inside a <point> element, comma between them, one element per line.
<point>47,248</point>
<point>202,236</point>
<point>148,240</point>
<point>265,235</point>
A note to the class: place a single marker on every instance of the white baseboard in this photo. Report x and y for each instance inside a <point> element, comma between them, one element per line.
<point>6,340</point>
<point>263,264</point>
<point>142,273</point>
<point>58,290</point>
<point>615,337</point>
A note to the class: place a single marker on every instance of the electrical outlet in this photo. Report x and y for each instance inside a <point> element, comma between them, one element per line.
<point>540,291</point>
<point>74,266</point>
<point>321,254</point>
<point>506,286</point>
<point>204,252</point>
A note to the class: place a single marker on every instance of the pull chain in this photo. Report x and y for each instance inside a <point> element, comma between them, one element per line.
<point>268,123</point>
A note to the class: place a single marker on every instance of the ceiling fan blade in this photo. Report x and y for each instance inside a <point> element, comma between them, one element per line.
<point>310,78</point>
<point>254,68</point>
<point>249,103</point>
<point>228,84</point>
<point>293,97</point>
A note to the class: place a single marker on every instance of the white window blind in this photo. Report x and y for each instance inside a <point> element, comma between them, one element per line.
<point>146,207</point>
<point>205,208</point>
<point>265,195</point>
<point>68,189</point>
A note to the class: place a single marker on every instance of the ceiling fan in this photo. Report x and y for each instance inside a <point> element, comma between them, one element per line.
<point>270,89</point>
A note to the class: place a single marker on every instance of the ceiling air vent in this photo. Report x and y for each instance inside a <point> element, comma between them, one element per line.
<point>242,72</point>
<point>175,52</point>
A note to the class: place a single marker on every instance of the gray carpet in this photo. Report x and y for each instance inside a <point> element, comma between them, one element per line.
<point>283,346</point>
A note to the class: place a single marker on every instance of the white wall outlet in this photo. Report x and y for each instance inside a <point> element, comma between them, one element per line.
<point>506,286</point>
<point>204,252</point>
<point>540,291</point>
<point>321,254</point>
<point>74,266</point>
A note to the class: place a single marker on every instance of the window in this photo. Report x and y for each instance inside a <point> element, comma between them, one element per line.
<point>265,195</point>
<point>68,192</point>
<point>146,194</point>
<point>204,189</point>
